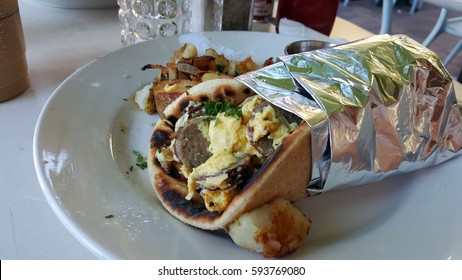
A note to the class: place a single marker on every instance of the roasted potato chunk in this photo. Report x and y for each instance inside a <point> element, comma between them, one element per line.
<point>186,51</point>
<point>185,69</point>
<point>165,92</point>
<point>274,229</point>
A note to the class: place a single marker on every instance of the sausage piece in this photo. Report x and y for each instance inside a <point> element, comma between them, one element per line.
<point>191,146</point>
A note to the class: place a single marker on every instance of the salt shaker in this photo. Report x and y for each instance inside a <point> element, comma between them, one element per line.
<point>143,20</point>
<point>14,78</point>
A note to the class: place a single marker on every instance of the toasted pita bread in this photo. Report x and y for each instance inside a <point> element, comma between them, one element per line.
<point>286,173</point>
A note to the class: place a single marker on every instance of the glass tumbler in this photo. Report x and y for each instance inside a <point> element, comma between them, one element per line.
<point>143,20</point>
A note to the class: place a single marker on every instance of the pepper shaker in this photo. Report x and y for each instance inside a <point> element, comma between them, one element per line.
<point>14,78</point>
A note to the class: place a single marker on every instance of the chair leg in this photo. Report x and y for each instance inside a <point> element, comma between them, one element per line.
<point>440,23</point>
<point>387,9</point>
<point>459,78</point>
<point>453,52</point>
<point>415,5</point>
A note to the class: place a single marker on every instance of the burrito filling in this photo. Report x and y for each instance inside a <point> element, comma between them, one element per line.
<point>220,147</point>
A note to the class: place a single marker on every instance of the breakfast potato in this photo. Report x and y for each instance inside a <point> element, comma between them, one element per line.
<point>184,69</point>
<point>165,92</point>
<point>273,229</point>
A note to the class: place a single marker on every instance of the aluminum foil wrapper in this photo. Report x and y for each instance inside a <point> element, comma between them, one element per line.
<point>377,107</point>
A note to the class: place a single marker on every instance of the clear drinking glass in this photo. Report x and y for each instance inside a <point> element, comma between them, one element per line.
<point>143,20</point>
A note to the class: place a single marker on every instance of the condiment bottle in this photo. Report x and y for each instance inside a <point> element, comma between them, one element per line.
<point>262,9</point>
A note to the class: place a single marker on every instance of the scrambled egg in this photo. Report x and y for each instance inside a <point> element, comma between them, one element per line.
<point>224,133</point>
<point>228,140</point>
<point>228,133</point>
<point>218,200</point>
<point>211,170</point>
<point>218,195</point>
<point>267,122</point>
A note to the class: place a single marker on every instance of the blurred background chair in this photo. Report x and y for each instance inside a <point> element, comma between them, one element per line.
<point>372,17</point>
<point>387,11</point>
<point>444,24</point>
<point>451,25</point>
<point>416,5</point>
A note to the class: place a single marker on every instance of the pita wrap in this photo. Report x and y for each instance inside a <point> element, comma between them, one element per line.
<point>285,173</point>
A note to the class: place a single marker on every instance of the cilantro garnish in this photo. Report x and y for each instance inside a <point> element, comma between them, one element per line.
<point>220,68</point>
<point>212,108</point>
<point>140,160</point>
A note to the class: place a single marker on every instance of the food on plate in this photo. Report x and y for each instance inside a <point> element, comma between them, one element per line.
<point>184,70</point>
<point>225,158</point>
<point>274,229</point>
<point>166,91</point>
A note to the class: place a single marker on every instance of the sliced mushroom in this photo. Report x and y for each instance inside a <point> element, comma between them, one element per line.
<point>264,145</point>
<point>231,177</point>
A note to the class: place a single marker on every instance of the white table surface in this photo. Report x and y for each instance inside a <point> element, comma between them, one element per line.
<point>58,41</point>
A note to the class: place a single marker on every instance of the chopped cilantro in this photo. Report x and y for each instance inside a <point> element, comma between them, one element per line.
<point>212,108</point>
<point>140,160</point>
<point>109,216</point>
<point>221,68</point>
<point>142,165</point>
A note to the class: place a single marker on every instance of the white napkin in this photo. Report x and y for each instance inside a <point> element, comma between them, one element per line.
<point>293,28</point>
<point>297,29</point>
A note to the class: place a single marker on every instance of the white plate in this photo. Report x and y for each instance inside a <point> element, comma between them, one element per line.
<point>83,152</point>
